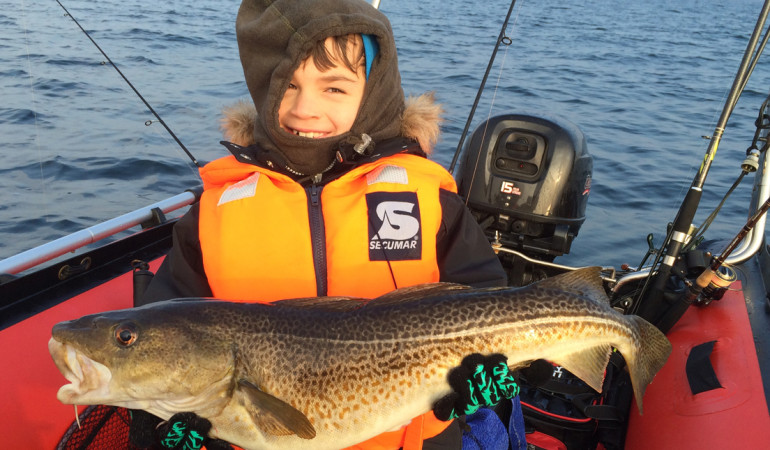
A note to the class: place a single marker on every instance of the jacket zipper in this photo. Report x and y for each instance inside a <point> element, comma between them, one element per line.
<point>317,237</point>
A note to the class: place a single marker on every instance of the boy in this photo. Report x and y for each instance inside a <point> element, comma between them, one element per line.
<point>327,190</point>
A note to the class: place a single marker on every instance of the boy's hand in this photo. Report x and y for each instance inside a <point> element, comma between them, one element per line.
<point>477,382</point>
<point>186,431</point>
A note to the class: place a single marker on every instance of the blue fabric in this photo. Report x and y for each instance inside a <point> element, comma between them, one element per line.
<point>371,47</point>
<point>516,426</point>
<point>487,432</point>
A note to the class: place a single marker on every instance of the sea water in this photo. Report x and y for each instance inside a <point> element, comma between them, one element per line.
<point>645,81</point>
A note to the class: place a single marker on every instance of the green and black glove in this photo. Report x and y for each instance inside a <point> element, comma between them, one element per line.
<point>183,431</point>
<point>477,382</point>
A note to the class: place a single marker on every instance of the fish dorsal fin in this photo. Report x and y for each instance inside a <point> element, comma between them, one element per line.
<point>411,293</point>
<point>323,303</point>
<point>587,364</point>
<point>272,415</point>
<point>402,295</point>
<point>586,282</point>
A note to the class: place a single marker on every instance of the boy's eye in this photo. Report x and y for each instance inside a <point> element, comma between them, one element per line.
<point>291,86</point>
<point>336,90</point>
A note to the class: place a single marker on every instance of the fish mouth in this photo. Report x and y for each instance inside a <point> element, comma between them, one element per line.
<point>89,380</point>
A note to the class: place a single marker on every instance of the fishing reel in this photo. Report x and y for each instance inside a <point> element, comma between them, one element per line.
<point>714,284</point>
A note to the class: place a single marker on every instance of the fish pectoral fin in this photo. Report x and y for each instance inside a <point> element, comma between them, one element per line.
<point>587,364</point>
<point>272,415</point>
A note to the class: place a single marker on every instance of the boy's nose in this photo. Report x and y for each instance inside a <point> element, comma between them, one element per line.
<point>304,106</point>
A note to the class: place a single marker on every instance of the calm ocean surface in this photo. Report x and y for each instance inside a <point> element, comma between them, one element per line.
<point>644,80</point>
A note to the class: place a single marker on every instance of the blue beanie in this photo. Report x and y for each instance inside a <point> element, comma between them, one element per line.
<point>370,51</point>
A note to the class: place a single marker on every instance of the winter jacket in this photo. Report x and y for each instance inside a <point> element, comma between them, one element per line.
<point>462,251</point>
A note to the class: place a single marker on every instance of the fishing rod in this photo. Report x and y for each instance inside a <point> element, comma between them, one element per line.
<point>749,165</point>
<point>152,110</point>
<point>501,39</point>
<point>717,262</point>
<point>650,307</point>
<point>716,277</point>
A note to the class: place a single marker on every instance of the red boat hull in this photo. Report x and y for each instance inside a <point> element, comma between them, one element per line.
<point>734,416</point>
<point>31,416</point>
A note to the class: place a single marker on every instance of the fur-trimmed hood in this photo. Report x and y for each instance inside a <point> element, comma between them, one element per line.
<point>276,36</point>
<point>420,121</point>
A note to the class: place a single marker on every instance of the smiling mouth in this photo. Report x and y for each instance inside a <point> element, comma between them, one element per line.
<point>308,134</point>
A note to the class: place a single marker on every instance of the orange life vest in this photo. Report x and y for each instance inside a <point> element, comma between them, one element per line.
<point>378,223</point>
<point>260,230</point>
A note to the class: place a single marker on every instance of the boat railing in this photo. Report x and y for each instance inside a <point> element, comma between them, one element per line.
<point>72,242</point>
<point>753,241</point>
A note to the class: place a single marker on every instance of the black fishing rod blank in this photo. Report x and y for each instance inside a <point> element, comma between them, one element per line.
<point>649,306</point>
<point>147,104</point>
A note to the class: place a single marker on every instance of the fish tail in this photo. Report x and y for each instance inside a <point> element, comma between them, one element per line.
<point>652,352</point>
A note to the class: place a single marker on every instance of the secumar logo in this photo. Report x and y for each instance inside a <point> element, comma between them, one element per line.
<point>395,231</point>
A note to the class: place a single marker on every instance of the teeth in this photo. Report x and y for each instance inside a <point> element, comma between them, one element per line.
<point>311,135</point>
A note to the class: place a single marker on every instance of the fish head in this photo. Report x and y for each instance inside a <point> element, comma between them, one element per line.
<point>150,358</point>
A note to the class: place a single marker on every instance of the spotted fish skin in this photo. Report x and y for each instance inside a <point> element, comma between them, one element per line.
<point>327,373</point>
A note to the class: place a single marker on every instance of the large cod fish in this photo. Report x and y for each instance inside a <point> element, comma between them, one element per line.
<point>326,373</point>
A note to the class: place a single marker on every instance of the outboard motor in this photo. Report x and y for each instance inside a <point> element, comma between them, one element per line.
<point>526,179</point>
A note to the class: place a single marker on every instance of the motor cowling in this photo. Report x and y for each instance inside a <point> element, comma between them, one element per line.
<point>526,179</point>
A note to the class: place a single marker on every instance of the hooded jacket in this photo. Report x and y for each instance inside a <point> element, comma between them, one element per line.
<point>273,38</point>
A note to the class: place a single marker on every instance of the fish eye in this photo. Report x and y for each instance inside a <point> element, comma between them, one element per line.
<point>126,334</point>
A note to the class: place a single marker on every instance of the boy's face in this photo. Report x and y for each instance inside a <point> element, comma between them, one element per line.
<point>322,104</point>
